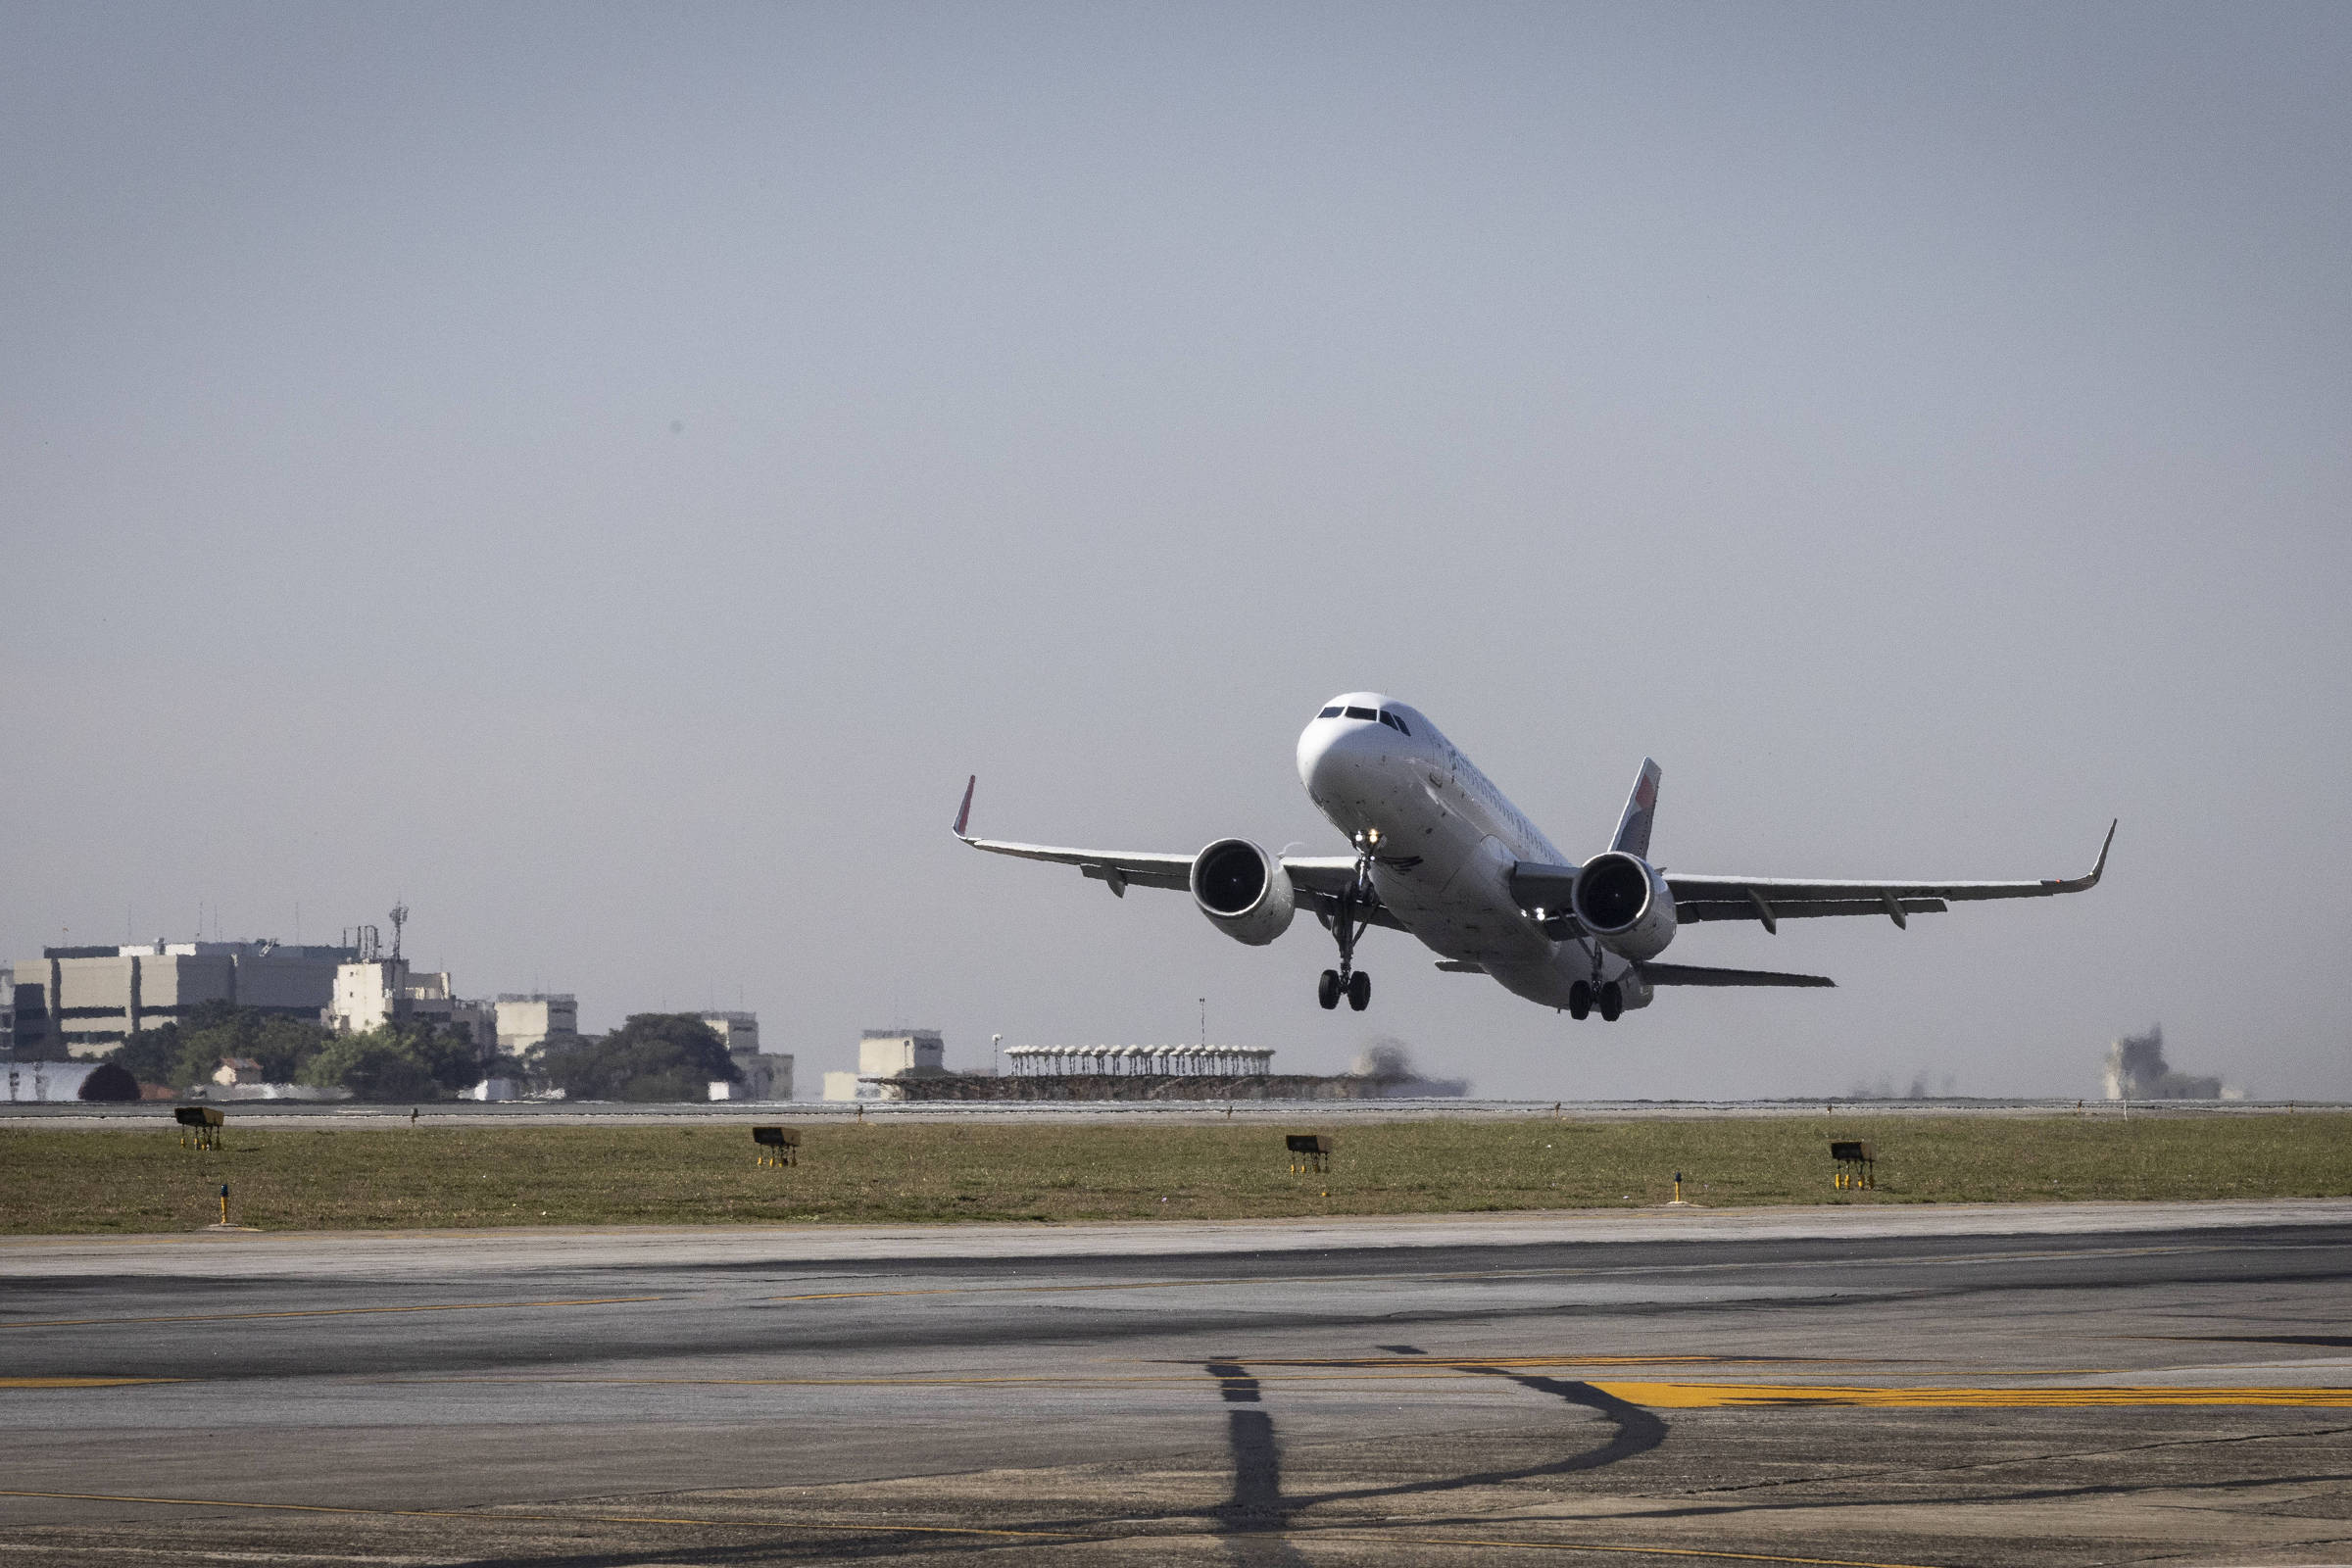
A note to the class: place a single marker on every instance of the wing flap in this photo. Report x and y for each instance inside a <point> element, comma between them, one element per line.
<point>1773,898</point>
<point>1692,974</point>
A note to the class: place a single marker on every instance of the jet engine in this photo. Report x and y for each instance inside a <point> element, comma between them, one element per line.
<point>1625,904</point>
<point>1244,890</point>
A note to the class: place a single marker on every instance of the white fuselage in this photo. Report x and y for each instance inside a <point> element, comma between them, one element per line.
<point>1445,839</point>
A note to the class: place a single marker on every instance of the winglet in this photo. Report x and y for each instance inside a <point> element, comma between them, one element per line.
<point>963,813</point>
<point>2078,884</point>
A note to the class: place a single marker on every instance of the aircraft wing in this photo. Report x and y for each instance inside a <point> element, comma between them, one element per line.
<point>1319,879</point>
<point>1772,900</point>
<point>1690,974</point>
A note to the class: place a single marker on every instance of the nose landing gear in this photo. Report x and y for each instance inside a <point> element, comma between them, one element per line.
<point>1347,922</point>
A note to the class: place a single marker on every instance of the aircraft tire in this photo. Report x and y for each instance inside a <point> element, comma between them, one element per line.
<point>1613,1003</point>
<point>1359,991</point>
<point>1327,990</point>
<point>1580,1001</point>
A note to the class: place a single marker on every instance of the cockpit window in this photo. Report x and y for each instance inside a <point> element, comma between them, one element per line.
<point>1329,712</point>
<point>1396,719</point>
<point>1390,719</point>
<point>1361,712</point>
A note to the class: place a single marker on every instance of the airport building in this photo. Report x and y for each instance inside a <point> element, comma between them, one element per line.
<point>889,1053</point>
<point>1156,1072</point>
<point>737,1031</point>
<point>530,1021</point>
<point>765,1076</point>
<point>373,993</point>
<point>83,1002</point>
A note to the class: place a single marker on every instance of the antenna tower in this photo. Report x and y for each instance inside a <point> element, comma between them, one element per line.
<point>400,917</point>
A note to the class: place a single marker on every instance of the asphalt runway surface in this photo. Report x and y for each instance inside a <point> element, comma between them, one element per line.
<point>2102,1384</point>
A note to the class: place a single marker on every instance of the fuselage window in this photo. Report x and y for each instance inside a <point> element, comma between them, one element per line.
<point>1361,712</point>
<point>1329,712</point>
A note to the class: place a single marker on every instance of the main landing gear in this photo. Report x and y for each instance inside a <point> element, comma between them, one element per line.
<point>1356,988</point>
<point>1347,922</point>
<point>1608,996</point>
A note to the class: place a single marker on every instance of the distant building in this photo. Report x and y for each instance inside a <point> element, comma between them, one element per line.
<point>737,1031</point>
<point>374,993</point>
<point>764,1076</point>
<point>528,1023</point>
<point>886,1053</point>
<point>8,1013</point>
<point>2137,1070</point>
<point>35,1081</point>
<point>83,1002</point>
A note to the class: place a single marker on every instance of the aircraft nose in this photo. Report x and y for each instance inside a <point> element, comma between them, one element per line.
<point>1330,752</point>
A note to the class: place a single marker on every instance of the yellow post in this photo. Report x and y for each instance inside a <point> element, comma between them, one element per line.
<point>224,1203</point>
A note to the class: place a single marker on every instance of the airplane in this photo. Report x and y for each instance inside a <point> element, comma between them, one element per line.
<point>1440,855</point>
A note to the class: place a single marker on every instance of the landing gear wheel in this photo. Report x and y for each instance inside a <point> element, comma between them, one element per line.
<point>1327,990</point>
<point>1612,1002</point>
<point>1580,1001</point>
<point>1359,991</point>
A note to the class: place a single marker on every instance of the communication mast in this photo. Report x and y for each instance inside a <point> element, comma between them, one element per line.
<point>400,917</point>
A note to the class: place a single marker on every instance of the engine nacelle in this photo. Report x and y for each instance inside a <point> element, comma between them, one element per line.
<point>1625,904</point>
<point>1244,890</point>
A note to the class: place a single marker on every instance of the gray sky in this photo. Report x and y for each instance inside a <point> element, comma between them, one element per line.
<point>607,474</point>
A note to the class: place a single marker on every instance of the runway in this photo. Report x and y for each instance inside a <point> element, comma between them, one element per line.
<point>2109,1383</point>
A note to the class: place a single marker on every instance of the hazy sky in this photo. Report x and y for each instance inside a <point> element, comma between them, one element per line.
<point>606,474</point>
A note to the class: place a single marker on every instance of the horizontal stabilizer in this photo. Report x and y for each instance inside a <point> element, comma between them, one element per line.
<point>1690,974</point>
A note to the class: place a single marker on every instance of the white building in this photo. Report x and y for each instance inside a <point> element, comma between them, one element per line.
<point>764,1076</point>
<point>83,1002</point>
<point>886,1053</point>
<point>737,1031</point>
<point>376,991</point>
<point>528,1023</point>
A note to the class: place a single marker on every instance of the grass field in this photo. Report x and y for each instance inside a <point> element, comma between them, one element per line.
<point>143,1180</point>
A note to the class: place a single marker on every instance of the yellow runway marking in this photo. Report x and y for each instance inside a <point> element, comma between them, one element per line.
<point>79,1383</point>
<point>489,1516</point>
<point>1725,1396</point>
<point>326,1312</point>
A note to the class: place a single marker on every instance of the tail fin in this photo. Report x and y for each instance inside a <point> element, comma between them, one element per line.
<point>1641,808</point>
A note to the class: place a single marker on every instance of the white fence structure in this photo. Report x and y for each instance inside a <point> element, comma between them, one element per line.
<point>1139,1062</point>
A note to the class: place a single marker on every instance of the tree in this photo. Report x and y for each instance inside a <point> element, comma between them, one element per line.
<point>654,1055</point>
<point>379,1064</point>
<point>393,1063</point>
<point>151,1055</point>
<point>190,1049</point>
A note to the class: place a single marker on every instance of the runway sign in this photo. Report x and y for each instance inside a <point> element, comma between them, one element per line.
<point>1310,1151</point>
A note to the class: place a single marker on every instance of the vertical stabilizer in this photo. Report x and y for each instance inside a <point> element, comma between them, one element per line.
<point>1641,808</point>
